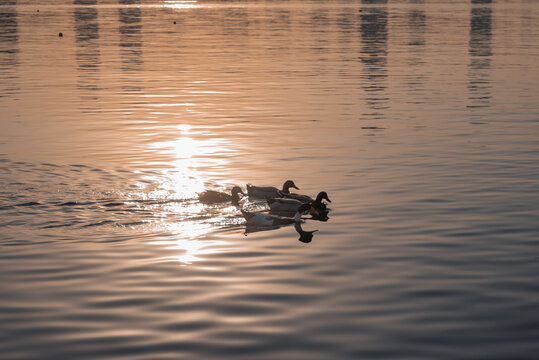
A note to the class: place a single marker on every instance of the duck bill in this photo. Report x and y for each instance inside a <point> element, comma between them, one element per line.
<point>328,199</point>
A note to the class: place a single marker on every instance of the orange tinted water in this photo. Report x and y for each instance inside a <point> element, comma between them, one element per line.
<point>418,118</point>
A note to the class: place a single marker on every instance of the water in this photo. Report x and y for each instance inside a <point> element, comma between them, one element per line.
<point>419,118</point>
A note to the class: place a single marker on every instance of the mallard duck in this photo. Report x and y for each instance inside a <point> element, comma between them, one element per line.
<point>291,205</point>
<point>307,199</point>
<point>260,219</point>
<point>212,196</point>
<point>270,191</point>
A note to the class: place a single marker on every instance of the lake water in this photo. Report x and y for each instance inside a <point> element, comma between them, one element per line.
<point>419,118</point>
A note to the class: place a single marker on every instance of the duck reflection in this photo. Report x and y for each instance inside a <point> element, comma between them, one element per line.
<point>262,221</point>
<point>304,236</point>
<point>9,49</point>
<point>322,215</point>
<point>373,55</point>
<point>480,52</point>
<point>88,53</point>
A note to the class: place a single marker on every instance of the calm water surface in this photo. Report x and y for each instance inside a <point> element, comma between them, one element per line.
<point>419,118</point>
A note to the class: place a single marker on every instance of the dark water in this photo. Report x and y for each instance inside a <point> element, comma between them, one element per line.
<point>419,118</point>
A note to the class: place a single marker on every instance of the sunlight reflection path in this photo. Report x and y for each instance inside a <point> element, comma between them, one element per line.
<point>182,160</point>
<point>189,251</point>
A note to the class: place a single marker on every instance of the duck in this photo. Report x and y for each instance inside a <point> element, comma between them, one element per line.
<point>270,191</point>
<point>291,205</point>
<point>260,219</point>
<point>213,197</point>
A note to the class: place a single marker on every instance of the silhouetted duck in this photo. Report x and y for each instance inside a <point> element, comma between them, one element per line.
<point>291,205</point>
<point>212,196</point>
<point>270,191</point>
<point>260,219</point>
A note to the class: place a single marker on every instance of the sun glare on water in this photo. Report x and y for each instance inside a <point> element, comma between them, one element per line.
<point>183,164</point>
<point>187,157</point>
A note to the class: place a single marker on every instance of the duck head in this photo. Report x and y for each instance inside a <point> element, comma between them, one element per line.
<point>287,185</point>
<point>236,190</point>
<point>322,196</point>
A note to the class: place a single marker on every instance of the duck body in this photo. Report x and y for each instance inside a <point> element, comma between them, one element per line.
<point>214,197</point>
<point>291,205</point>
<point>270,191</point>
<point>284,205</point>
<point>317,203</point>
<point>265,220</point>
<point>301,198</point>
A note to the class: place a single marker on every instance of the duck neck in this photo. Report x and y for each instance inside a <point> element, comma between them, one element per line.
<point>317,202</point>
